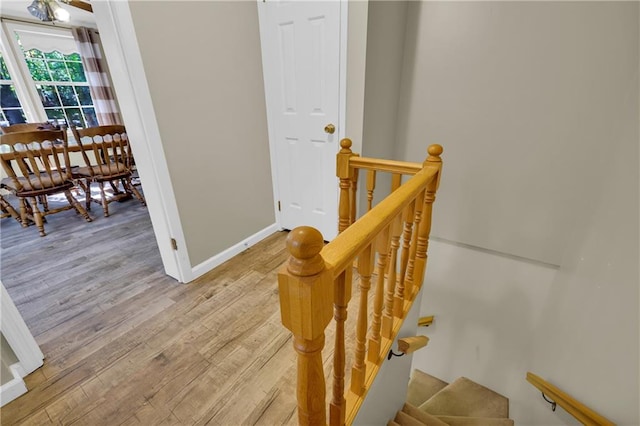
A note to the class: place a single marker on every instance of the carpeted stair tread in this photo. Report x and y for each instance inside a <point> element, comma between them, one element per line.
<point>392,423</point>
<point>464,397</point>
<point>474,421</point>
<point>423,386</point>
<point>403,419</point>
<point>422,416</point>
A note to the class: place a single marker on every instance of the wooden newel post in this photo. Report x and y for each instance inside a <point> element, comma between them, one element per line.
<point>306,306</point>
<point>433,160</point>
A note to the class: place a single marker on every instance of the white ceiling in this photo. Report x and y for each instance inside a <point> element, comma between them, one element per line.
<point>18,9</point>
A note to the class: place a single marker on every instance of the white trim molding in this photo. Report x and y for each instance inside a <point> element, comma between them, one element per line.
<point>227,254</point>
<point>18,336</point>
<point>264,49</point>
<point>23,345</point>
<point>13,388</point>
<point>122,52</point>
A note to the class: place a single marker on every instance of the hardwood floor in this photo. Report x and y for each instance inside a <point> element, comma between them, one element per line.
<point>125,344</point>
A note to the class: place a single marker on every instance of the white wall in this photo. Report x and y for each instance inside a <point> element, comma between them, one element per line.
<point>486,309</point>
<point>498,316</point>
<point>587,341</point>
<point>386,25</point>
<point>384,52</point>
<point>357,13</point>
<point>203,66</point>
<point>522,95</point>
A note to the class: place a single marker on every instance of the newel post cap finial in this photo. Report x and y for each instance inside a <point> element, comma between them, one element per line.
<point>346,144</point>
<point>435,151</point>
<point>304,244</point>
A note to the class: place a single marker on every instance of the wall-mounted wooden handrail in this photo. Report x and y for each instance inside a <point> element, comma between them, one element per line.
<point>425,321</point>
<point>581,412</point>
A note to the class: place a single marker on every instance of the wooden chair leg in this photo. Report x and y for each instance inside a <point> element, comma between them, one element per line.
<point>132,189</point>
<point>76,205</point>
<point>86,188</point>
<point>37,216</point>
<point>105,202</point>
<point>114,187</point>
<point>44,201</point>
<point>8,208</point>
<point>25,212</point>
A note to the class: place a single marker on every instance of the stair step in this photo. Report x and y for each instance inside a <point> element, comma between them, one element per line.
<point>466,398</point>
<point>423,386</point>
<point>474,421</point>
<point>403,419</point>
<point>422,416</point>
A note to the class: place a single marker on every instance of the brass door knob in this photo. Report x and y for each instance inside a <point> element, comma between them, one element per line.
<point>330,128</point>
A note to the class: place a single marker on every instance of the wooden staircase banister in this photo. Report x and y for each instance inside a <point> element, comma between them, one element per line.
<point>342,251</point>
<point>581,412</point>
<point>389,247</point>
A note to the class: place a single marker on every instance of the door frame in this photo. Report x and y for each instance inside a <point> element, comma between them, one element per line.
<point>127,71</point>
<point>122,53</point>
<point>342,95</point>
<point>22,344</point>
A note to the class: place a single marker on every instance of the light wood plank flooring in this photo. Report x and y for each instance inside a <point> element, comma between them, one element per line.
<point>125,344</point>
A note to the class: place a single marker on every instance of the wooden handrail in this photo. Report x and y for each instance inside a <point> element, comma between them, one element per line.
<point>342,251</point>
<point>581,412</point>
<point>391,166</point>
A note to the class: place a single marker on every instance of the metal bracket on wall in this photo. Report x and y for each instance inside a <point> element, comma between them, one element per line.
<point>553,404</point>
<point>392,354</point>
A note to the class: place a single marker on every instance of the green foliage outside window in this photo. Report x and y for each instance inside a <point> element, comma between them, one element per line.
<point>65,94</point>
<point>10,109</point>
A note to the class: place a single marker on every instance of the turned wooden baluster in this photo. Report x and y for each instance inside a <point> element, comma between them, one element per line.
<point>371,186</point>
<point>425,224</point>
<point>345,174</point>
<point>354,195</point>
<point>410,290</point>
<point>341,298</point>
<point>358,372</point>
<point>401,292</point>
<point>306,290</point>
<point>396,181</point>
<point>375,341</point>
<point>387,316</point>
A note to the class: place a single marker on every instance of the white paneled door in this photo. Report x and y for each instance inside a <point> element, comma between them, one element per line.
<point>301,57</point>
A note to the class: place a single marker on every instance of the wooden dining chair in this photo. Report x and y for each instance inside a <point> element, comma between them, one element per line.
<point>108,159</point>
<point>27,127</point>
<point>37,164</point>
<point>30,127</point>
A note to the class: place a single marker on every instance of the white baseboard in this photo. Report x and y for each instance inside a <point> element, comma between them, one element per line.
<point>14,388</point>
<point>227,254</point>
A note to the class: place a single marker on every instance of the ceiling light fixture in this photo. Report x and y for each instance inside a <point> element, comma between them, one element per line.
<point>48,10</point>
